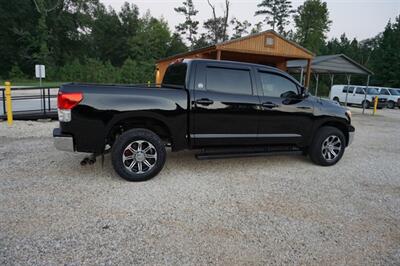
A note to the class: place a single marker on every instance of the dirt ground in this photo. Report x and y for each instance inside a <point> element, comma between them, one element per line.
<point>263,210</point>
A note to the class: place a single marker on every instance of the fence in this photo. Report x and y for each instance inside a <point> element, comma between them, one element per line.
<point>31,102</point>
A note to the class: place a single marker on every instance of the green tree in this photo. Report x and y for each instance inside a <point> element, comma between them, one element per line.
<point>217,26</point>
<point>276,12</point>
<point>16,73</point>
<point>190,26</point>
<point>312,23</point>
<point>257,28</point>
<point>240,28</point>
<point>18,31</point>
<point>386,57</point>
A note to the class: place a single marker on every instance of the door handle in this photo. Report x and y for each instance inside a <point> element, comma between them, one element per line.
<point>269,105</point>
<point>304,107</point>
<point>204,101</point>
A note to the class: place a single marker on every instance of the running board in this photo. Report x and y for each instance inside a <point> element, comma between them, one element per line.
<point>223,155</point>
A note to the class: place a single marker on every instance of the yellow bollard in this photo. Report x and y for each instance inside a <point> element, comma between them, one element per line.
<point>8,103</point>
<point>148,83</point>
<point>375,104</point>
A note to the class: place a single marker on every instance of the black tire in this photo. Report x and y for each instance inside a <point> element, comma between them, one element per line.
<point>316,152</point>
<point>366,104</point>
<point>336,99</point>
<point>390,105</point>
<point>126,142</point>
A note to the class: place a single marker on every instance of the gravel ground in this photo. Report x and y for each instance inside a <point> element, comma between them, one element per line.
<point>264,210</point>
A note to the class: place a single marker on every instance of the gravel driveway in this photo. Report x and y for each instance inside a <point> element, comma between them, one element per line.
<point>264,210</point>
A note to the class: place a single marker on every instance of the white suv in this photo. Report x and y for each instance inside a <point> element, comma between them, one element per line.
<point>356,95</point>
<point>392,96</point>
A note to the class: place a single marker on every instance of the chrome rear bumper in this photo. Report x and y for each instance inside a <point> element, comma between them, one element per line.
<point>63,142</point>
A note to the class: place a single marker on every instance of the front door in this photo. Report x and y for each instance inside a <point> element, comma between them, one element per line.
<point>285,117</point>
<point>224,105</point>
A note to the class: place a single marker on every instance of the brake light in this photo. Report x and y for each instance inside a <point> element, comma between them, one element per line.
<point>68,100</point>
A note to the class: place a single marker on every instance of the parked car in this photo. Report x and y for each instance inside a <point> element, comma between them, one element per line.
<point>392,96</point>
<point>221,108</point>
<point>356,95</point>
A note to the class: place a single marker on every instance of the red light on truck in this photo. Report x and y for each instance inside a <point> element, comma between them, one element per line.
<point>67,101</point>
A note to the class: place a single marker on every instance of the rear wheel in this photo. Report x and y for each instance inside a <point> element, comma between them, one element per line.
<point>138,155</point>
<point>328,146</point>
<point>336,99</point>
<point>366,104</point>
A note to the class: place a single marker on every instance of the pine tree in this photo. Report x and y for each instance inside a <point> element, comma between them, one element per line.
<point>312,23</point>
<point>239,28</point>
<point>386,57</point>
<point>190,26</point>
<point>217,26</point>
<point>277,13</point>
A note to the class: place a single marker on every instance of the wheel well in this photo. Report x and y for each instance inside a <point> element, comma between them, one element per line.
<point>339,126</point>
<point>152,124</point>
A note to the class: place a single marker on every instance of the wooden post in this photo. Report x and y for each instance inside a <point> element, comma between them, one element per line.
<point>308,76</point>
<point>218,54</point>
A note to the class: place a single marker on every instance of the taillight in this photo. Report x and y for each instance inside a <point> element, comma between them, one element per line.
<point>65,102</point>
<point>68,100</point>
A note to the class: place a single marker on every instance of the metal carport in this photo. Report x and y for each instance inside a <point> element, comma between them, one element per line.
<point>338,64</point>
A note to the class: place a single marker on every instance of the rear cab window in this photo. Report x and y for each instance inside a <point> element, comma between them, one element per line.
<point>175,76</point>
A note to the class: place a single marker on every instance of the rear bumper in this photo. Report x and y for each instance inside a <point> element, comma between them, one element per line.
<point>63,142</point>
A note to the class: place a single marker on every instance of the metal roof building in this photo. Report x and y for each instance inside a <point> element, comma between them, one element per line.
<point>330,64</point>
<point>338,64</point>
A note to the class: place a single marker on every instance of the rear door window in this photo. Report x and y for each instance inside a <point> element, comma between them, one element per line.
<point>384,92</point>
<point>228,80</point>
<point>360,90</point>
<point>351,89</point>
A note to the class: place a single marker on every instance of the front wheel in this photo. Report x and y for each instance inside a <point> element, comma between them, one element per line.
<point>328,146</point>
<point>390,105</point>
<point>138,155</point>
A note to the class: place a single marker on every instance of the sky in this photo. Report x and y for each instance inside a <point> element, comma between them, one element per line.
<point>359,19</point>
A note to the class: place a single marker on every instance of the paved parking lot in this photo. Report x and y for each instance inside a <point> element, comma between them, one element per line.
<point>265,210</point>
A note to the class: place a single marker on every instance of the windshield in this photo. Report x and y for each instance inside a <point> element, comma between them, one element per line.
<point>394,92</point>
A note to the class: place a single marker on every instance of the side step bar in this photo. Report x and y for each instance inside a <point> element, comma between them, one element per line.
<point>207,155</point>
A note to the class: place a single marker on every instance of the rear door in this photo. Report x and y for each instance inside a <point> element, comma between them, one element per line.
<point>359,95</point>
<point>348,94</point>
<point>224,105</point>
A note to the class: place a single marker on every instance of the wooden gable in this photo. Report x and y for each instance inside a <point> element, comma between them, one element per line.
<point>266,43</point>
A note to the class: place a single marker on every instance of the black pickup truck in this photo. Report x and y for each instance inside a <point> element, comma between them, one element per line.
<point>221,108</point>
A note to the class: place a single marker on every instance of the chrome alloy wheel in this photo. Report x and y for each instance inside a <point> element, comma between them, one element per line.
<point>331,147</point>
<point>139,157</point>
